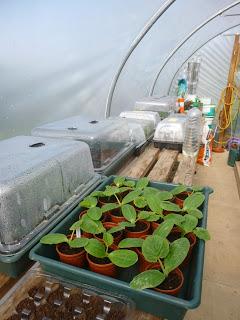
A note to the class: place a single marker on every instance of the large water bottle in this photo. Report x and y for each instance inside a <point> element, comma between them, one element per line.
<point>193,131</point>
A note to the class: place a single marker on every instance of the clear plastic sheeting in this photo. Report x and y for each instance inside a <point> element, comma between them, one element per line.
<point>142,115</point>
<point>107,139</point>
<point>171,129</point>
<point>163,105</point>
<point>38,177</point>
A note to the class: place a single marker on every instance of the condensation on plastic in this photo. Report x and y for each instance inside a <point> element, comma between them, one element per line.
<point>107,139</point>
<point>171,129</point>
<point>142,115</point>
<point>163,105</point>
<point>72,296</point>
<point>37,177</point>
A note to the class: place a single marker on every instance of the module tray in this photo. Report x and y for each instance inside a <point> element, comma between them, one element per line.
<point>43,296</point>
<point>150,301</point>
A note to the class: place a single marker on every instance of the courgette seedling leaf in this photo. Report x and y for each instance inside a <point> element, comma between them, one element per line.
<point>147,279</point>
<point>95,248</point>
<point>131,243</point>
<point>154,248</point>
<point>177,253</point>
<point>123,258</point>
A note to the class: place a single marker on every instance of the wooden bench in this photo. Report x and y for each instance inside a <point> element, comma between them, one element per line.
<point>164,166</point>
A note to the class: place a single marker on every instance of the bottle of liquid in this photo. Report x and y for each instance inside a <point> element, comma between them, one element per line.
<point>193,131</point>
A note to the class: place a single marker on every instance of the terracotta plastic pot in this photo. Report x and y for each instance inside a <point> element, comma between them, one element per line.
<point>181,197</point>
<point>178,272</point>
<point>107,269</point>
<point>76,259</point>
<point>138,234</point>
<point>107,226</point>
<point>115,218</point>
<point>143,263</point>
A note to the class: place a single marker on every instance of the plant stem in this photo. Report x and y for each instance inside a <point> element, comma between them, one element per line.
<point>117,199</point>
<point>72,235</point>
<point>162,267</point>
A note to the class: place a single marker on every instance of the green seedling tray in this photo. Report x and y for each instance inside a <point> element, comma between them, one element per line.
<point>161,305</point>
<point>16,263</point>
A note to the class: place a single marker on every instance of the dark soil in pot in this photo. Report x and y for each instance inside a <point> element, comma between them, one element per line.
<point>172,282</point>
<point>141,229</point>
<point>65,249</point>
<point>99,260</point>
<point>140,226</point>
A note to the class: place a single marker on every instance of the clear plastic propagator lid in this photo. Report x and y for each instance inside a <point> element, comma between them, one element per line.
<point>45,297</point>
<point>39,179</point>
<point>171,129</point>
<point>142,115</point>
<point>107,139</point>
<point>163,105</point>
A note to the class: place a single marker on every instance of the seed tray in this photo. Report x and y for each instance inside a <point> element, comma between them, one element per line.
<point>168,145</point>
<point>161,305</point>
<point>42,296</point>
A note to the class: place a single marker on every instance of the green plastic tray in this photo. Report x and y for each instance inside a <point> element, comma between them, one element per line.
<point>150,301</point>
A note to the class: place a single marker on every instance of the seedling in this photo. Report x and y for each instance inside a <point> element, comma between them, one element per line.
<point>169,256</point>
<point>57,238</point>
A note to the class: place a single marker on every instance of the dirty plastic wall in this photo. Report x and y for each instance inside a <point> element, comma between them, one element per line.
<point>58,58</point>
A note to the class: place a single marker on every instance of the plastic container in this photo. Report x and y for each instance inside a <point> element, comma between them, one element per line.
<point>170,132</point>
<point>108,140</point>
<point>42,296</point>
<point>41,180</point>
<point>172,308</point>
<point>193,132</point>
<point>142,115</point>
<point>163,105</point>
<point>209,110</point>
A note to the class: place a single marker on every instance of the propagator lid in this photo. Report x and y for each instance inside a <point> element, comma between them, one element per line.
<point>39,179</point>
<point>171,129</point>
<point>157,104</point>
<point>107,139</point>
<point>142,115</point>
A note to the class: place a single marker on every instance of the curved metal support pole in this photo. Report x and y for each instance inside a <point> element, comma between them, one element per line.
<point>186,39</point>
<point>199,48</point>
<point>134,44</point>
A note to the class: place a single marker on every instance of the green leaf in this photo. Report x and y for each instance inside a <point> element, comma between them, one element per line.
<point>97,193</point>
<point>154,203</point>
<point>202,233</point>
<point>119,181</point>
<point>95,248</point>
<point>189,223</point>
<point>111,190</point>
<point>149,216</point>
<point>140,202</point>
<point>175,218</point>
<point>109,206</point>
<point>169,206</point>
<point>131,196</point>
<point>88,202</point>
<point>177,253</point>
<point>142,183</point>
<point>126,224</point>
<point>116,229</point>
<point>123,258</point>
<point>154,248</point>
<point>150,191</point>
<point>54,238</point>
<point>78,242</point>
<point>108,239</point>
<point>91,226</point>
<point>131,243</point>
<point>124,189</point>
<point>193,201</point>
<point>129,213</point>
<point>164,229</point>
<point>147,279</point>
<point>94,213</point>
<point>197,188</point>
<point>178,189</point>
<point>195,212</point>
<point>165,195</point>
<point>76,225</point>
<point>129,183</point>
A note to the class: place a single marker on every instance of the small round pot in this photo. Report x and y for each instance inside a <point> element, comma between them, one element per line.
<point>115,218</point>
<point>143,263</point>
<point>107,269</point>
<point>76,259</point>
<point>138,234</point>
<point>174,291</point>
<point>181,197</point>
<point>107,226</point>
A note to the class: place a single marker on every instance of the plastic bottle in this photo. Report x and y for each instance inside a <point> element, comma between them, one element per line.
<point>193,131</point>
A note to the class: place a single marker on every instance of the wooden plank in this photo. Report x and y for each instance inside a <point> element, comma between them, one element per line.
<point>6,283</point>
<point>139,315</point>
<point>163,167</point>
<point>237,175</point>
<point>185,171</point>
<point>140,166</point>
